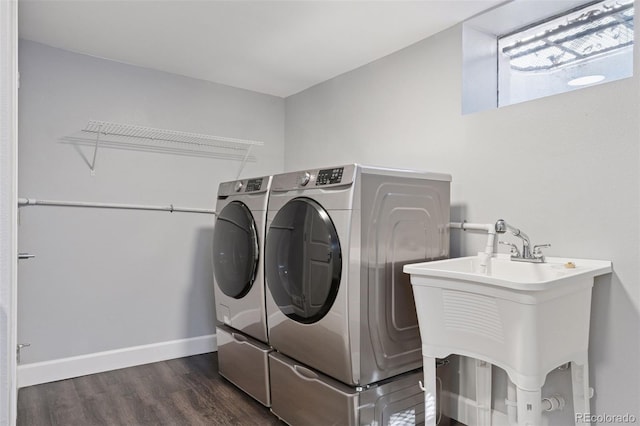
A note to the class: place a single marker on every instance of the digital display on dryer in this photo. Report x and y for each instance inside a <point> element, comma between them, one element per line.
<point>329,176</point>
<point>253,185</point>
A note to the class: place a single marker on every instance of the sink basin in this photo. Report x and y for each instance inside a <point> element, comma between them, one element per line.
<point>501,271</point>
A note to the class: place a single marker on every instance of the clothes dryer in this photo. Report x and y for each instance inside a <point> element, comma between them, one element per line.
<point>337,240</point>
<point>238,242</point>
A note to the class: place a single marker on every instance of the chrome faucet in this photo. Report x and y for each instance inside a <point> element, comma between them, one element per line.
<point>526,255</point>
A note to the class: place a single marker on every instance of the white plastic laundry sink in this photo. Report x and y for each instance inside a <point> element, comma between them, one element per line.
<point>527,318</point>
<point>503,272</point>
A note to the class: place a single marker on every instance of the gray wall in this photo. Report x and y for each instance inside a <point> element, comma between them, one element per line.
<point>110,279</point>
<point>563,168</point>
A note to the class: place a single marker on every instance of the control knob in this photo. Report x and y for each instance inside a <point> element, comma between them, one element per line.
<point>238,187</point>
<point>305,178</point>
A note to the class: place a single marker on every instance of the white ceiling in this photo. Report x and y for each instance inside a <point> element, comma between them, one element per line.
<point>274,47</point>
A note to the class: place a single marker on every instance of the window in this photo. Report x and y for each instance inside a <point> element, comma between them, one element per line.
<point>591,45</point>
<point>527,50</point>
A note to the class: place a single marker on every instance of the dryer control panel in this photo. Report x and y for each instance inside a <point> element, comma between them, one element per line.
<point>244,186</point>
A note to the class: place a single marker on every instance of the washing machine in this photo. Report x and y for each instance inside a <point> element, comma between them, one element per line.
<point>338,237</point>
<point>238,242</point>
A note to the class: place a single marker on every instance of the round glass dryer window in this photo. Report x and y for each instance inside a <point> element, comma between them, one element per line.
<point>303,260</point>
<point>235,250</point>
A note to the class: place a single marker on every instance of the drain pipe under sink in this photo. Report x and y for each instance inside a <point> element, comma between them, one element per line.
<point>551,403</point>
<point>490,229</point>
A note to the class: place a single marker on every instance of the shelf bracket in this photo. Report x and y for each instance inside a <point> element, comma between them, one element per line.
<point>244,161</point>
<point>95,152</point>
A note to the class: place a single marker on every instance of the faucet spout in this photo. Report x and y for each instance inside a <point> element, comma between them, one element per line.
<point>502,227</point>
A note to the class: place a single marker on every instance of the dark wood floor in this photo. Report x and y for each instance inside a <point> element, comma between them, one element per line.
<point>185,391</point>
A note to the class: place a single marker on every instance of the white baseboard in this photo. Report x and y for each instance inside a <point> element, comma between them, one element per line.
<point>66,368</point>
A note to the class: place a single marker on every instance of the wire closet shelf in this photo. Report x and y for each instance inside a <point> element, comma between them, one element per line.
<point>141,138</point>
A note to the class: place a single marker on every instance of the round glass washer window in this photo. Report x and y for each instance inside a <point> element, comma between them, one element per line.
<point>303,260</point>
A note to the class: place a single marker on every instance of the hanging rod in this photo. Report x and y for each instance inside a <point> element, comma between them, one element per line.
<point>170,208</point>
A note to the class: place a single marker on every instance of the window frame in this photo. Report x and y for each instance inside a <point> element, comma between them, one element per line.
<point>480,56</point>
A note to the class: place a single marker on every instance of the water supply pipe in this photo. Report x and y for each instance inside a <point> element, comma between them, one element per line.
<point>490,229</point>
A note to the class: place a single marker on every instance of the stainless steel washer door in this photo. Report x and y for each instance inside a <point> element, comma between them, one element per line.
<point>303,260</point>
<point>235,250</point>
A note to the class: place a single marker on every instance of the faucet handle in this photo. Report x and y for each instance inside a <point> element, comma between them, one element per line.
<point>537,250</point>
<point>514,248</point>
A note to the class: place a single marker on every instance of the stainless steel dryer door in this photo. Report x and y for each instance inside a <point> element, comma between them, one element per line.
<point>235,250</point>
<point>303,260</point>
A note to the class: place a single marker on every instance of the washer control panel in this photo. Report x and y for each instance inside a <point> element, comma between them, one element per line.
<point>304,178</point>
<point>323,179</point>
<point>329,176</point>
<point>253,185</point>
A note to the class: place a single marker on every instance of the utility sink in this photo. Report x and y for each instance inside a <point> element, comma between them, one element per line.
<point>526,318</point>
<point>501,271</point>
